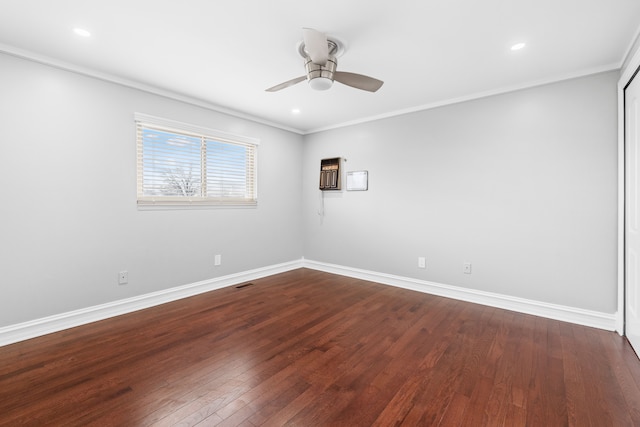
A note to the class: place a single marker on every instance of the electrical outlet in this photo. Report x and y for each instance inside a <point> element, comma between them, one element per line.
<point>123,277</point>
<point>422,262</point>
<point>466,268</point>
<point>217,260</point>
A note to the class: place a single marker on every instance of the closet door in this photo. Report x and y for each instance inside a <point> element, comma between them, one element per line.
<point>632,213</point>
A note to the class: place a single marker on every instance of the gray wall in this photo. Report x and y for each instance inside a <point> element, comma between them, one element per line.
<point>68,216</point>
<point>523,185</point>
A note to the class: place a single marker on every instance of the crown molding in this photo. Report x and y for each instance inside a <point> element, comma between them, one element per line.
<point>89,72</point>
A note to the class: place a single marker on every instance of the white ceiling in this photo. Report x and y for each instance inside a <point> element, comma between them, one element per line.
<point>225,53</point>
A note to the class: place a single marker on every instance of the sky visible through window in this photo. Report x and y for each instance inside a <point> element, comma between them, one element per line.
<point>179,165</point>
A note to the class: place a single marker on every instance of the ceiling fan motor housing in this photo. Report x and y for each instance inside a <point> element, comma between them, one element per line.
<point>321,74</point>
<point>320,77</point>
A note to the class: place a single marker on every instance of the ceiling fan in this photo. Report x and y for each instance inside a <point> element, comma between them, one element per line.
<point>320,62</point>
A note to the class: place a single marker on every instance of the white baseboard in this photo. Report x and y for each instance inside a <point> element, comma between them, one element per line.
<point>578,316</point>
<point>46,325</point>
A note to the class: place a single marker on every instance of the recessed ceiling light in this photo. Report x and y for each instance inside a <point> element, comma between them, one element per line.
<point>518,46</point>
<point>82,32</point>
<point>295,111</point>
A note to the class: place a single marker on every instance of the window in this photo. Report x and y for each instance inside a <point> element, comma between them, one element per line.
<point>181,164</point>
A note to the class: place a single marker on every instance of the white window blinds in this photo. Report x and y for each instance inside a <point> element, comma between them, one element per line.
<point>182,164</point>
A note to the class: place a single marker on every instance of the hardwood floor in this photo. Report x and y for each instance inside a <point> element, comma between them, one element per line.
<point>307,348</point>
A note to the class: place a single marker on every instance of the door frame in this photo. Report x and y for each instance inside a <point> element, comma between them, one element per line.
<point>627,74</point>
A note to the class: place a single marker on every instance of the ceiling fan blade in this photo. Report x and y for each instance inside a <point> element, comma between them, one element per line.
<point>315,43</point>
<point>286,84</point>
<point>358,81</point>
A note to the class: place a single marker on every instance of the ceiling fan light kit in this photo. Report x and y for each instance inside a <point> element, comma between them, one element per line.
<point>320,77</point>
<point>320,63</point>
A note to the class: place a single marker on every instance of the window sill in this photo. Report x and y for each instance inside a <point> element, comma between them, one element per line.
<point>164,205</point>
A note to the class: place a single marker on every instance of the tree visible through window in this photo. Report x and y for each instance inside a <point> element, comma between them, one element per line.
<point>185,164</point>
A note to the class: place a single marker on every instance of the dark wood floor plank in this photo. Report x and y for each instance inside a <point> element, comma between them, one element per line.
<point>457,371</point>
<point>612,402</point>
<point>312,348</point>
<point>479,401</point>
<point>453,415</point>
<point>402,353</point>
<point>626,374</point>
<point>575,395</point>
<point>510,360</point>
<point>546,394</point>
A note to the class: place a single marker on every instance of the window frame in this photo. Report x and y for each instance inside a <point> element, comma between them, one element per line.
<point>145,121</point>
